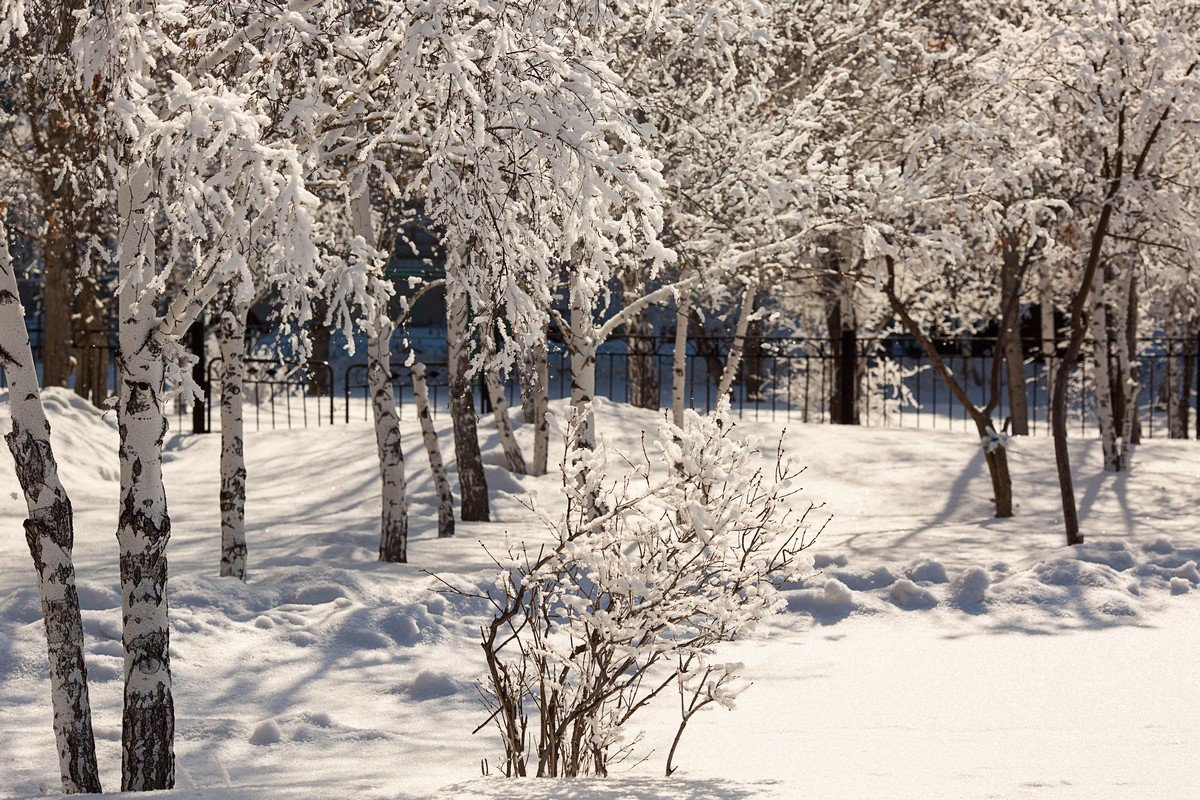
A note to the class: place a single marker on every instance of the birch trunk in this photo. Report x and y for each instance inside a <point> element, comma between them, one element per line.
<point>1104,403</point>
<point>504,430</point>
<point>738,346</point>
<point>582,342</point>
<point>679,358</point>
<point>445,499</point>
<point>393,531</point>
<point>393,527</point>
<point>231,338</point>
<point>1126,377</point>
<point>49,530</point>
<point>527,382</point>
<point>144,526</point>
<point>472,483</point>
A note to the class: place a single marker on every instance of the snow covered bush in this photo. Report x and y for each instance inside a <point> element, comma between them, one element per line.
<point>619,607</point>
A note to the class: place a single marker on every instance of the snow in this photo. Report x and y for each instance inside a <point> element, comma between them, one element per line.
<point>934,653</point>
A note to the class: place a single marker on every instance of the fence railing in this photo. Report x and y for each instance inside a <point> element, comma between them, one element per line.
<point>781,379</point>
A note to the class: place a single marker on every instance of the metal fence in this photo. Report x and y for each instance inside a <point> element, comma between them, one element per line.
<point>780,379</point>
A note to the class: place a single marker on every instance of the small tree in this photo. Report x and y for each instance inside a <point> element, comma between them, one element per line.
<point>616,608</point>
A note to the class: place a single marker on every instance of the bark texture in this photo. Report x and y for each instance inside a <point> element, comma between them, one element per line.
<point>144,526</point>
<point>683,314</point>
<point>738,346</point>
<point>504,429</point>
<point>231,338</point>
<point>1014,352</point>
<point>49,531</point>
<point>393,531</point>
<point>472,483</point>
<point>445,499</point>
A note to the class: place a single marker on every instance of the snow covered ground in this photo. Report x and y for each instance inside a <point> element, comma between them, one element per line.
<point>934,653</point>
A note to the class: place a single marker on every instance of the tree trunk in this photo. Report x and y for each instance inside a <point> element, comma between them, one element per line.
<point>58,254</point>
<point>144,527</point>
<point>1104,402</point>
<point>1014,352</point>
<point>539,380</point>
<point>231,338</point>
<point>1049,334</point>
<point>996,455</point>
<point>1125,380</point>
<point>49,530</point>
<point>641,356</point>
<point>319,381</point>
<point>393,528</point>
<point>843,339</point>
<point>393,531</point>
<point>472,483</point>
<point>582,342</point>
<point>445,499</point>
<point>508,441</point>
<point>679,367</point>
<point>738,346</point>
<point>91,349</point>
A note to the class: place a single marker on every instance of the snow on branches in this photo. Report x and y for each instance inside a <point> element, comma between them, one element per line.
<point>616,608</point>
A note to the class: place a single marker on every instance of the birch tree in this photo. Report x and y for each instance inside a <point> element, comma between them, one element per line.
<point>49,531</point>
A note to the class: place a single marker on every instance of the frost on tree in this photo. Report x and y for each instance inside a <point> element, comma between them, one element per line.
<point>622,606</point>
<point>49,531</point>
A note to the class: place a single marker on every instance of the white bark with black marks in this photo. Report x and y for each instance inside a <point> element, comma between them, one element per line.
<point>50,533</point>
<point>738,346</point>
<point>393,529</point>
<point>441,484</point>
<point>583,344</point>
<point>393,535</point>
<point>144,527</point>
<point>231,338</point>
<point>504,430</point>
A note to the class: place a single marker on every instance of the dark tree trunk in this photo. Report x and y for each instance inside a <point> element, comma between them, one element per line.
<point>472,483</point>
<point>91,344</point>
<point>1014,352</point>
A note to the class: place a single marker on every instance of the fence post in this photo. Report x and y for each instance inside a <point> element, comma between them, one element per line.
<point>199,375</point>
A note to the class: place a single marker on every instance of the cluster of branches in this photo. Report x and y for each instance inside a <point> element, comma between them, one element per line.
<point>622,606</point>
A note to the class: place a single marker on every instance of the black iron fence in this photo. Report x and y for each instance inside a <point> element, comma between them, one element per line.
<point>781,379</point>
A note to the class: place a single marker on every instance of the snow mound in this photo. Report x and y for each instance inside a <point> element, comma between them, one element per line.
<point>909,596</point>
<point>1180,586</point>
<point>928,571</point>
<point>429,685</point>
<point>266,732</point>
<point>862,581</point>
<point>1162,546</point>
<point>1070,572</point>
<point>1187,572</point>
<point>837,593</point>
<point>970,587</point>
<point>823,560</point>
<point>1111,554</point>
